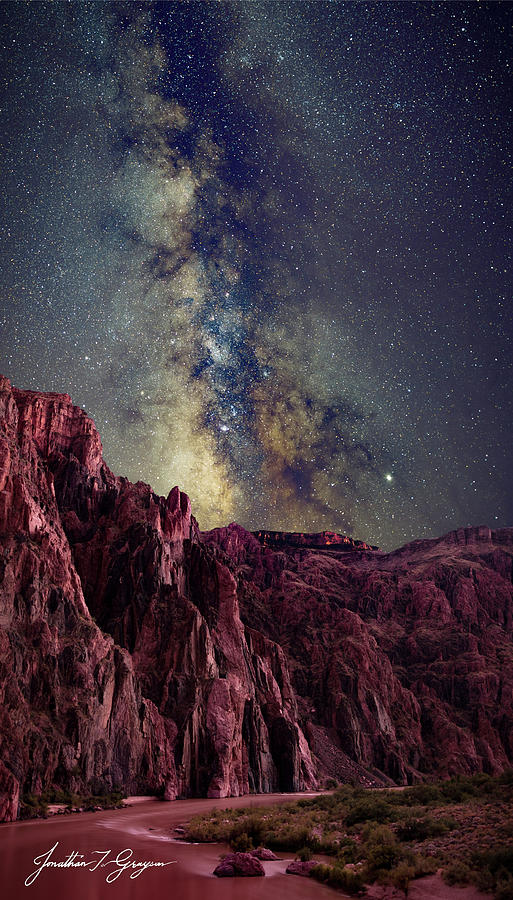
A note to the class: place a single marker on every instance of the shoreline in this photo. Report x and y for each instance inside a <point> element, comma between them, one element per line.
<point>149,826</point>
<point>60,810</point>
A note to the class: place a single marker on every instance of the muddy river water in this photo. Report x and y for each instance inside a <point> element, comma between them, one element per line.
<point>109,843</point>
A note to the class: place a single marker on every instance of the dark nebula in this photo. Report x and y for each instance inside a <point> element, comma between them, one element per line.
<point>267,246</point>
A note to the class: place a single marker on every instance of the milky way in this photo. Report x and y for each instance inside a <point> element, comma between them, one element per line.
<point>267,247</point>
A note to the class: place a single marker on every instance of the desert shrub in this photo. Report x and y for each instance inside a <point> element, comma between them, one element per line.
<point>347,850</point>
<point>423,865</point>
<point>383,857</point>
<point>33,806</point>
<point>377,834</point>
<point>422,794</point>
<point>328,843</point>
<point>345,792</point>
<point>321,872</point>
<point>59,796</point>
<point>484,880</point>
<point>106,801</point>
<point>504,887</point>
<point>306,802</point>
<point>493,871</point>
<point>241,842</point>
<point>202,830</point>
<point>495,860</point>
<point>346,879</point>
<point>304,854</point>
<point>326,802</point>
<point>331,784</point>
<point>382,849</point>
<point>459,789</point>
<point>250,830</point>
<point>401,875</point>
<point>339,877</point>
<point>369,809</point>
<point>420,829</point>
<point>288,838</point>
<point>457,872</point>
<point>483,782</point>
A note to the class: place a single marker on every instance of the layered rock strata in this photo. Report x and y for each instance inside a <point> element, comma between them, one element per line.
<point>123,658</point>
<point>137,652</point>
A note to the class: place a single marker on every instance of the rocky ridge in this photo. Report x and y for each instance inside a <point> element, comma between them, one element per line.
<point>137,652</point>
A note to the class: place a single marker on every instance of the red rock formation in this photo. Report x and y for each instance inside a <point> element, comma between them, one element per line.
<point>304,868</point>
<point>123,658</point>
<point>136,652</point>
<point>263,853</point>
<point>288,539</point>
<point>241,864</point>
<point>402,662</point>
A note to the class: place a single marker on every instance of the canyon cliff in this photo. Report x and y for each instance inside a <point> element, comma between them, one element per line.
<point>138,653</point>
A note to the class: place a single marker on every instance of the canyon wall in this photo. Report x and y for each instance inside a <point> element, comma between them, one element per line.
<point>138,653</point>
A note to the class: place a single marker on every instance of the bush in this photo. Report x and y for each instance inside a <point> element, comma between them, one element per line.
<point>347,851</point>
<point>495,872</point>
<point>420,829</point>
<point>378,834</point>
<point>422,794</point>
<point>382,850</point>
<point>339,877</point>
<point>383,857</point>
<point>457,792</point>
<point>504,889</point>
<point>200,830</point>
<point>304,854</point>
<point>330,784</point>
<point>457,873</point>
<point>484,880</point>
<point>494,860</point>
<point>321,872</point>
<point>327,844</point>
<point>248,830</point>
<point>424,865</point>
<point>370,809</point>
<point>241,843</point>
<point>401,876</point>
<point>344,793</point>
<point>33,806</point>
<point>288,838</point>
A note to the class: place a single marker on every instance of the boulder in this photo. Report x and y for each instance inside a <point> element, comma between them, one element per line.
<point>301,868</point>
<point>239,864</point>
<point>263,853</point>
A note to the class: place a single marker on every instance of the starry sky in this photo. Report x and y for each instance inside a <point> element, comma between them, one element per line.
<point>267,247</point>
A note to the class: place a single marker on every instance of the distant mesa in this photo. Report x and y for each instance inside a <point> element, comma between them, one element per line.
<point>327,540</point>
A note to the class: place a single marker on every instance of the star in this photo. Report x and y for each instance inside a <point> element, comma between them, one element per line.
<point>273,271</point>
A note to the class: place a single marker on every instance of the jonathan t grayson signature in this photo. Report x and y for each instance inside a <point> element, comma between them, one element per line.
<point>121,864</point>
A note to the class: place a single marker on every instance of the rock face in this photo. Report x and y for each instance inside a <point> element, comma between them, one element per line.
<point>403,662</point>
<point>285,540</point>
<point>123,658</point>
<point>137,652</point>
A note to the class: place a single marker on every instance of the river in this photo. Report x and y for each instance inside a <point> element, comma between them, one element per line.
<point>146,829</point>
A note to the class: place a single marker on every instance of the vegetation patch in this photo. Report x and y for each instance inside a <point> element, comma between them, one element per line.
<point>461,826</point>
<point>33,806</point>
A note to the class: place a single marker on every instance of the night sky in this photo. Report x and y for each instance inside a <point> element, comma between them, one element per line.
<point>267,247</point>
